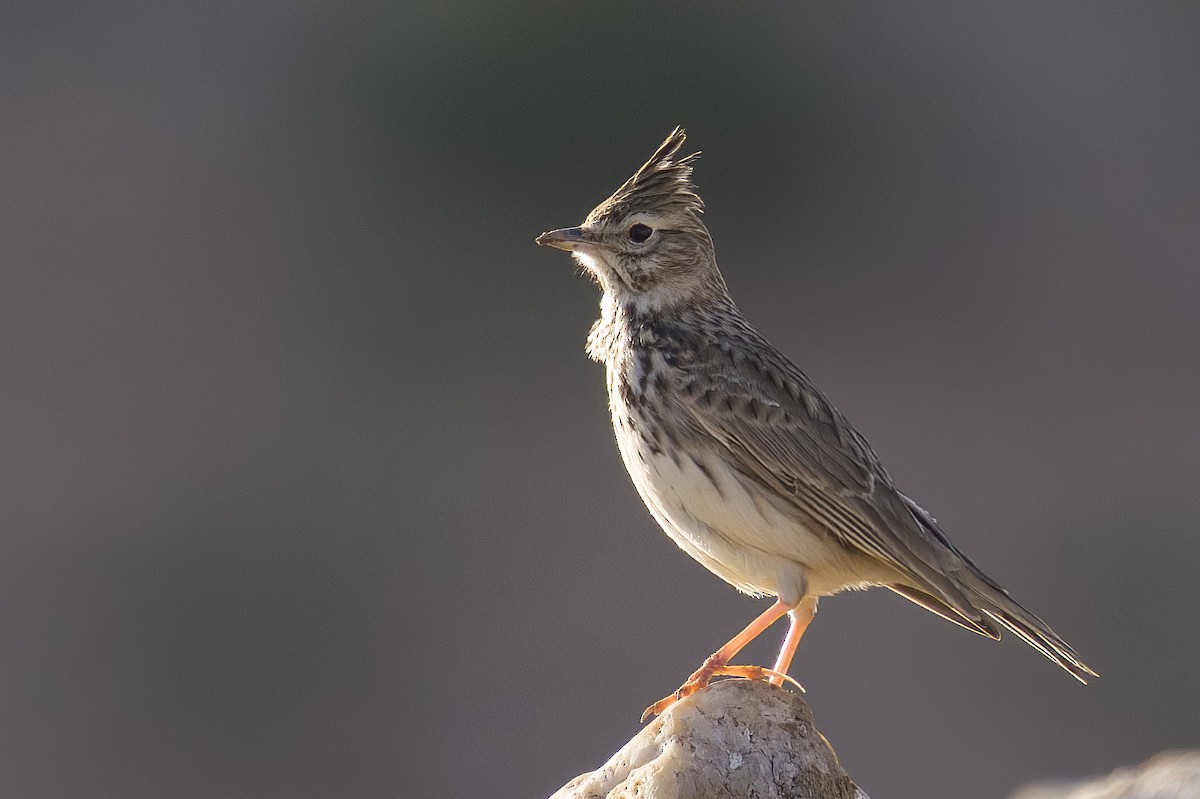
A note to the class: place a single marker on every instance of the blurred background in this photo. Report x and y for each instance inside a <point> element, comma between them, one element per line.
<point>308,488</point>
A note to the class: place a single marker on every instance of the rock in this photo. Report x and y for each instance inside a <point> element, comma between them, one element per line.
<point>736,738</point>
<point>1168,775</point>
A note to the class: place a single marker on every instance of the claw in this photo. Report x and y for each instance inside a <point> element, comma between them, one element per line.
<point>703,676</point>
<point>760,673</point>
<point>658,707</point>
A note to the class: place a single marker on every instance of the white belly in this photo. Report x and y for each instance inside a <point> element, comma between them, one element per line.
<point>723,522</point>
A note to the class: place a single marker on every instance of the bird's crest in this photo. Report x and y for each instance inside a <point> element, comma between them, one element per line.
<point>663,183</point>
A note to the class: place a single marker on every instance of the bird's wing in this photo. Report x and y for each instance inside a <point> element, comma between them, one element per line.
<point>780,430</point>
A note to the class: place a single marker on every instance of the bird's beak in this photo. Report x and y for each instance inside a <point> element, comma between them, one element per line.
<point>567,238</point>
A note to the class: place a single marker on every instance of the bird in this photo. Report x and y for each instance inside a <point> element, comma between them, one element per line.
<point>737,455</point>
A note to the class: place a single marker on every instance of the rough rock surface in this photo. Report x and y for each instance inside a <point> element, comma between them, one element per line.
<point>1169,775</point>
<point>736,738</point>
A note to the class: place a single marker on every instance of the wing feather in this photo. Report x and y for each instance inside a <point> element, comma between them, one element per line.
<point>787,436</point>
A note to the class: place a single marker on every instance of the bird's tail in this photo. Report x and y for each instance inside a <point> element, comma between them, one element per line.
<point>987,596</point>
<point>993,600</point>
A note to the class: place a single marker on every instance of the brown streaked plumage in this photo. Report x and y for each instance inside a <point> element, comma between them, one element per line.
<point>737,455</point>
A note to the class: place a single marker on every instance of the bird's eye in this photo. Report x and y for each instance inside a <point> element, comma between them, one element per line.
<point>639,233</point>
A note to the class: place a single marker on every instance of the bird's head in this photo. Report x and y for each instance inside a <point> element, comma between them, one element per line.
<point>646,244</point>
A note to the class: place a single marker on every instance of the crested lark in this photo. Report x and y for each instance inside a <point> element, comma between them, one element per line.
<point>737,455</point>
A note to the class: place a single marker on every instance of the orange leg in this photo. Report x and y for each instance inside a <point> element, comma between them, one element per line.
<point>717,663</point>
<point>801,617</point>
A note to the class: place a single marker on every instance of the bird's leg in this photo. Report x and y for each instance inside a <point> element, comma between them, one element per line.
<point>800,617</point>
<point>717,664</point>
<point>722,656</point>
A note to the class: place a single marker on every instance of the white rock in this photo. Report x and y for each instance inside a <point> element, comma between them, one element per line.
<point>1168,775</point>
<point>735,738</point>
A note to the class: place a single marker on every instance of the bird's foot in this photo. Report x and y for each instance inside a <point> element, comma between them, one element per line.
<point>702,676</point>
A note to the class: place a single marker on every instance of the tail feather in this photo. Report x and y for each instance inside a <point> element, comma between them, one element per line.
<point>988,596</point>
<point>947,612</point>
<point>1036,633</point>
